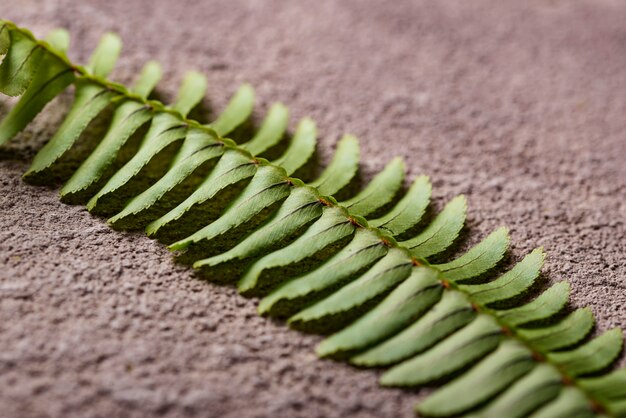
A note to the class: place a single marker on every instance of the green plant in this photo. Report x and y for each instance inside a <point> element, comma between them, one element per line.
<point>315,261</point>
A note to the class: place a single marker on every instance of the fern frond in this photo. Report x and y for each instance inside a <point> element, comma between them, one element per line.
<point>320,264</point>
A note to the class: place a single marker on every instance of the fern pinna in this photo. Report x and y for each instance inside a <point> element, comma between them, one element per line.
<point>316,262</point>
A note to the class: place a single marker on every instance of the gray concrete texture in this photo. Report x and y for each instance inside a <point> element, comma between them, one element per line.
<point>518,105</point>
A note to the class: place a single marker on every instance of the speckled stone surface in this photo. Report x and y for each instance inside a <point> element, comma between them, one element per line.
<point>518,105</point>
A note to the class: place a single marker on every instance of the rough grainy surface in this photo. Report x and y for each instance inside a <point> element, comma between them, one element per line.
<point>519,105</point>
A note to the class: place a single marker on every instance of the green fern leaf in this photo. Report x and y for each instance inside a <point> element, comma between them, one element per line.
<point>104,57</point>
<point>148,79</point>
<point>302,207</point>
<point>191,92</point>
<point>53,77</point>
<point>535,389</point>
<point>321,238</point>
<point>490,376</point>
<point>442,232</point>
<point>567,332</point>
<point>238,111</point>
<point>364,249</point>
<point>345,304</point>
<point>549,303</point>
<point>617,408</point>
<point>408,301</point>
<point>451,313</point>
<point>165,129</point>
<point>271,132</point>
<point>571,403</point>
<point>592,357</point>
<point>409,211</point>
<point>59,41</point>
<point>479,259</point>
<point>19,64</point>
<point>90,99</point>
<point>342,168</point>
<point>269,187</point>
<point>5,37</point>
<point>379,191</point>
<point>511,284</point>
<point>472,342</point>
<point>608,387</point>
<point>301,148</point>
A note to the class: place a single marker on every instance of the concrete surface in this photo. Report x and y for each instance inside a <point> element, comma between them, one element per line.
<point>519,105</point>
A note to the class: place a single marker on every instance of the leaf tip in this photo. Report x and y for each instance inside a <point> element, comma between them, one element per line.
<point>461,201</point>
<point>324,349</point>
<point>199,264</point>
<point>308,122</point>
<point>179,245</point>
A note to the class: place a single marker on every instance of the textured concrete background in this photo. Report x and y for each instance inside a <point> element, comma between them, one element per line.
<point>519,105</point>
